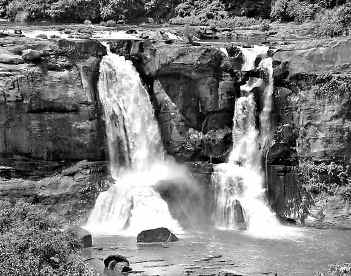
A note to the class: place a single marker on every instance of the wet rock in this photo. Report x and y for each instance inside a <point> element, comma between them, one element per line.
<point>117,263</point>
<point>156,235</point>
<point>82,235</point>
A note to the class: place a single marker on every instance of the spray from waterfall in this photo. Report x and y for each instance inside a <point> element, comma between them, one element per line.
<point>136,156</point>
<point>239,192</point>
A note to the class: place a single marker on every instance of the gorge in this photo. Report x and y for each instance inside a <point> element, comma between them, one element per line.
<point>197,136</point>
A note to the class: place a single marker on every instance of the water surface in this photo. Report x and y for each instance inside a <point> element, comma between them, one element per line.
<point>207,253</point>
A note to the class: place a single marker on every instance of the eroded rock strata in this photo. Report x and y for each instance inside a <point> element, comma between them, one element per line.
<point>50,116</point>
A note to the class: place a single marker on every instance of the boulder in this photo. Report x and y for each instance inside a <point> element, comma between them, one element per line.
<point>83,235</point>
<point>156,235</point>
<point>117,263</point>
<point>30,55</point>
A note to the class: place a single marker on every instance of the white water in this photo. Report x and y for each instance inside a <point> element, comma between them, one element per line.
<point>136,156</point>
<point>242,178</point>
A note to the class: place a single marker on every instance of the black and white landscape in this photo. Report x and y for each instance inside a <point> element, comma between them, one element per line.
<point>182,137</point>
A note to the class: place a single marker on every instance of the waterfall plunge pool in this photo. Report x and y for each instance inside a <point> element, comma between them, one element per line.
<point>208,253</point>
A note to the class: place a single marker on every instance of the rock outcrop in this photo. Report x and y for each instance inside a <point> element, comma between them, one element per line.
<point>312,120</point>
<point>156,235</point>
<point>49,107</point>
<point>194,89</point>
<point>69,192</point>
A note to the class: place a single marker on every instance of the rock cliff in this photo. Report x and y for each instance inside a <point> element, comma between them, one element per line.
<point>312,121</point>
<point>49,119</point>
<point>50,115</point>
<point>49,108</point>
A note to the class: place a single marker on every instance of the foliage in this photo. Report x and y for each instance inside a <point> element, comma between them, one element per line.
<point>226,22</point>
<point>3,7</point>
<point>293,10</point>
<point>194,12</point>
<point>32,244</point>
<point>37,9</point>
<point>328,4</point>
<point>329,178</point>
<point>121,9</point>
<point>160,9</point>
<point>338,270</point>
<point>334,22</point>
<point>204,9</point>
<point>75,10</point>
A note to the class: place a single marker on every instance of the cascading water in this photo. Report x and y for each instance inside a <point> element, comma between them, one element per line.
<point>136,156</point>
<point>239,193</point>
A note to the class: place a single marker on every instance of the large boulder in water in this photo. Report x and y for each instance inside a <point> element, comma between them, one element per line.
<point>156,235</point>
<point>82,235</point>
<point>117,263</point>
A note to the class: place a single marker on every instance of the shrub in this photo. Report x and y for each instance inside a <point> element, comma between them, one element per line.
<point>122,9</point>
<point>37,9</point>
<point>160,9</point>
<point>338,270</point>
<point>226,22</point>
<point>334,22</point>
<point>75,10</point>
<point>32,244</point>
<point>293,10</point>
<point>329,178</point>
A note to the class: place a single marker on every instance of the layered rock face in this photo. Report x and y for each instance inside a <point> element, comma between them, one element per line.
<point>50,118</point>
<point>49,107</point>
<point>312,120</point>
<point>194,90</point>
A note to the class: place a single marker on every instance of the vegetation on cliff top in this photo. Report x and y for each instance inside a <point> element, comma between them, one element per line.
<point>330,14</point>
<point>31,243</point>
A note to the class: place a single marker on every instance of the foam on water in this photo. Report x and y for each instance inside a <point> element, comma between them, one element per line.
<point>241,179</point>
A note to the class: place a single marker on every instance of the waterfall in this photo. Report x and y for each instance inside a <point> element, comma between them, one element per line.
<point>136,156</point>
<point>239,192</point>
